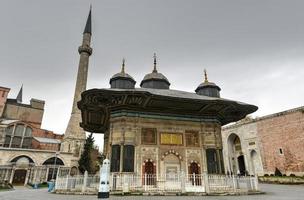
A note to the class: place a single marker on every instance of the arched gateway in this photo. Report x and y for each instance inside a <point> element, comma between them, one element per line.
<point>235,154</point>
<point>149,172</point>
<point>22,164</point>
<point>53,163</point>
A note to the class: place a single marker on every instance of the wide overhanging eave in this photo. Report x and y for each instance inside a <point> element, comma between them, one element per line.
<point>96,105</point>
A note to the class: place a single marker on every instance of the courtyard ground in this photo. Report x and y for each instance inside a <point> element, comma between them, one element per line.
<point>273,192</point>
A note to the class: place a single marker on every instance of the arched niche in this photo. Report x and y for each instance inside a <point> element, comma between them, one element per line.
<point>235,155</point>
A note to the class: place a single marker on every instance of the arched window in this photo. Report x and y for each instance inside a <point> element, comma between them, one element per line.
<point>128,158</point>
<point>9,130</point>
<point>22,159</point>
<point>27,138</point>
<point>19,130</point>
<point>54,163</point>
<point>194,168</point>
<point>74,171</point>
<point>18,136</point>
<point>194,171</point>
<point>28,132</point>
<point>149,171</point>
<point>8,135</point>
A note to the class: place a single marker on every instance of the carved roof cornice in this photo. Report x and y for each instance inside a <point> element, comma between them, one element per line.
<point>97,104</point>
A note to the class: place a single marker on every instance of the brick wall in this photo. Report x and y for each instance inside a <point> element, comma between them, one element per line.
<point>282,141</point>
<point>45,134</point>
<point>45,146</point>
<point>3,96</point>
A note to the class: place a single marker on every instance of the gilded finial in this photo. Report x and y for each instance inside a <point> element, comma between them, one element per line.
<point>206,77</point>
<point>155,70</point>
<point>123,65</point>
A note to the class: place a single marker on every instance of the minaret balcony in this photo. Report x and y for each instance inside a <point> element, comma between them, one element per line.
<point>85,49</point>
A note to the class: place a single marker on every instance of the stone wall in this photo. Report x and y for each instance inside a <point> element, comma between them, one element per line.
<point>24,112</point>
<point>38,156</point>
<point>282,139</point>
<point>249,142</point>
<point>278,140</point>
<point>125,130</point>
<point>281,180</point>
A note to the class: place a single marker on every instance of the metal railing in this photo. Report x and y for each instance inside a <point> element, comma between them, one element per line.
<point>127,182</point>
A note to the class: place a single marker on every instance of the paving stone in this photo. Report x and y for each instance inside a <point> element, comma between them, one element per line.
<point>273,192</point>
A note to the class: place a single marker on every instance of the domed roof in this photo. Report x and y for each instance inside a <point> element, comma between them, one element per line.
<point>208,84</point>
<point>121,75</point>
<point>155,79</point>
<point>122,79</point>
<point>155,75</point>
<point>208,88</point>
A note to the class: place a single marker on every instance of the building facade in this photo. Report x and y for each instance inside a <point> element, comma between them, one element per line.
<point>30,154</point>
<point>155,130</point>
<point>27,152</point>
<point>260,145</point>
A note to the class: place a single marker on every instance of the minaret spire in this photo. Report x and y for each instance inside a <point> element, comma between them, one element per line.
<point>154,69</point>
<point>74,136</point>
<point>88,26</point>
<point>123,65</point>
<point>19,96</point>
<point>205,74</point>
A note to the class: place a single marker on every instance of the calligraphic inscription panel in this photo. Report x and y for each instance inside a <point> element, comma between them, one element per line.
<point>171,138</point>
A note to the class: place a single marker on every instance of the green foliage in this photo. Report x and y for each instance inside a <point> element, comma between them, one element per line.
<point>85,161</point>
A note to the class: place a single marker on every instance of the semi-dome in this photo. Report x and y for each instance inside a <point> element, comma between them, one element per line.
<point>208,88</point>
<point>155,79</point>
<point>122,80</point>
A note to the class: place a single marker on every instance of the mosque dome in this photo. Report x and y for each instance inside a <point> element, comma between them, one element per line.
<point>122,80</point>
<point>155,79</point>
<point>208,88</point>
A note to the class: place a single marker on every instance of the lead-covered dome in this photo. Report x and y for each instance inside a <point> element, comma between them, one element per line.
<point>208,88</point>
<point>122,80</point>
<point>155,79</point>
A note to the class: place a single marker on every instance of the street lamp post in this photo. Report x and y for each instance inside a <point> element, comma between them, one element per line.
<point>53,173</point>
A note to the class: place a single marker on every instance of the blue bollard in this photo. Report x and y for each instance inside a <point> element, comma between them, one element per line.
<point>51,186</point>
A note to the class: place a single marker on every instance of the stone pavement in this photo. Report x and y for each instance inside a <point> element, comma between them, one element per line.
<point>273,192</point>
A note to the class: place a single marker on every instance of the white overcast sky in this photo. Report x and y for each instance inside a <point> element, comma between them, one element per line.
<point>252,49</point>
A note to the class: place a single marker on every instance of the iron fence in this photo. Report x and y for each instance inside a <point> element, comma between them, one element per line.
<point>128,182</point>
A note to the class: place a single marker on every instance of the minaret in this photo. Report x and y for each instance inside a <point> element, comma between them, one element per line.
<point>74,136</point>
<point>19,96</point>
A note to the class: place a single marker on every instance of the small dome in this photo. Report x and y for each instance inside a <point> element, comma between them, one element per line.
<point>208,88</point>
<point>122,80</point>
<point>122,75</point>
<point>208,84</point>
<point>155,80</point>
